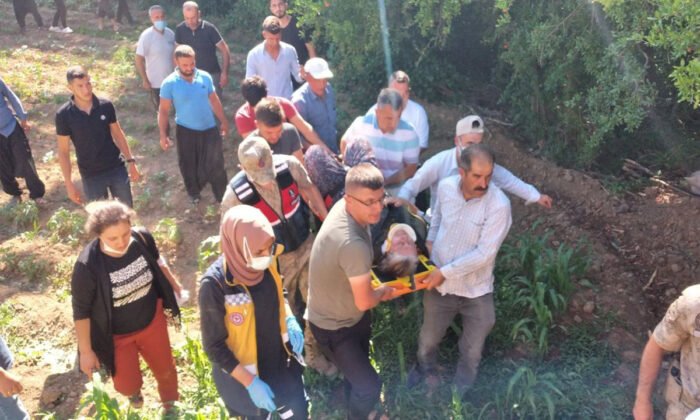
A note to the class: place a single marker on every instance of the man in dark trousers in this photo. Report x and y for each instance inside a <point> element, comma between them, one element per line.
<point>22,8</point>
<point>101,150</point>
<point>340,288</point>
<point>15,155</point>
<point>205,39</point>
<point>199,142</point>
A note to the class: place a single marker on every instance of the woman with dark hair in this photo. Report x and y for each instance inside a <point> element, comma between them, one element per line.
<point>248,330</point>
<point>122,291</point>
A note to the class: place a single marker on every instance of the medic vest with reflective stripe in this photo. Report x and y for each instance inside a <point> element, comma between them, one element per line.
<point>292,228</point>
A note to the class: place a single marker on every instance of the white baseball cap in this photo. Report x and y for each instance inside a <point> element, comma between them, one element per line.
<point>318,68</point>
<point>470,124</point>
<point>396,227</point>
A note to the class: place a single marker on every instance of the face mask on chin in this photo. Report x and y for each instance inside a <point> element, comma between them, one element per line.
<point>256,263</point>
<point>116,253</point>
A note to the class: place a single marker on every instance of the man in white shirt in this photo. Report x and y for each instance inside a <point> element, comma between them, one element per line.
<point>154,53</point>
<point>471,219</point>
<point>470,130</point>
<point>412,112</point>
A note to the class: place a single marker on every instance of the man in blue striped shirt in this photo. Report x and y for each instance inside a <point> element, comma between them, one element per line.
<point>394,141</point>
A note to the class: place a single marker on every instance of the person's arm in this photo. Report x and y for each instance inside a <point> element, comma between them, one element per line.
<point>506,180</point>
<point>311,49</point>
<point>425,176</point>
<point>226,61</point>
<point>9,383</point>
<point>219,112</point>
<point>649,367</point>
<point>307,131</point>
<point>422,129</point>
<point>120,140</point>
<point>82,300</point>
<point>66,170</point>
<point>163,112</point>
<point>140,63</point>
<point>365,296</point>
<point>14,101</point>
<point>250,64</point>
<point>88,358</point>
<point>435,220</point>
<point>296,70</point>
<point>214,333</point>
<point>168,273</point>
<point>313,198</point>
<point>405,173</point>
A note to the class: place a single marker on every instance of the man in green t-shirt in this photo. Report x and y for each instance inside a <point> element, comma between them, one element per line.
<point>340,291</point>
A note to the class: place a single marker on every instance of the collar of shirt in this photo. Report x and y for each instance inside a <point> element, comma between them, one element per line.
<point>95,103</point>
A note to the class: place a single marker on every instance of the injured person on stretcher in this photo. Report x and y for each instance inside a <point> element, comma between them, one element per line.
<point>401,258</point>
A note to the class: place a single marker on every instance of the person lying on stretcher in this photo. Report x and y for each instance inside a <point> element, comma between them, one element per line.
<point>400,255</point>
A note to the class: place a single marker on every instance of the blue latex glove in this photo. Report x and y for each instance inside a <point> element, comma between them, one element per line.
<point>296,336</point>
<point>261,394</point>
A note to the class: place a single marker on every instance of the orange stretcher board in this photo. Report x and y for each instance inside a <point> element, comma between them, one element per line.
<point>404,285</point>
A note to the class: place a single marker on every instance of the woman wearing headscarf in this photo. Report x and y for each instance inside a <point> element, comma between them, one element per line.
<point>122,292</point>
<point>248,331</point>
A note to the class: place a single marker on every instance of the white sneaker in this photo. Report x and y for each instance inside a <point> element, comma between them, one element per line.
<point>55,29</point>
<point>67,30</point>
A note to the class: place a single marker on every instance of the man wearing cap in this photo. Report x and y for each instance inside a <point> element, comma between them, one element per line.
<point>274,60</point>
<point>411,112</point>
<point>276,184</point>
<point>679,331</point>
<point>205,39</point>
<point>200,154</point>
<point>315,101</point>
<point>254,89</point>
<point>470,130</point>
<point>394,141</point>
<point>471,219</point>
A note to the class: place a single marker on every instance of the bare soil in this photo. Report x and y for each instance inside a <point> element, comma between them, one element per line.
<point>634,237</point>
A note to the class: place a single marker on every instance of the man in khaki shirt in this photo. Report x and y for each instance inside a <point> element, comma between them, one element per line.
<point>679,331</point>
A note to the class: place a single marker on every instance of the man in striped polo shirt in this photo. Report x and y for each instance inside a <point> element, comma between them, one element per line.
<point>395,142</point>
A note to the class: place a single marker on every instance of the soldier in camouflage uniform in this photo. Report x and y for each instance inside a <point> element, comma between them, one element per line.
<point>679,331</point>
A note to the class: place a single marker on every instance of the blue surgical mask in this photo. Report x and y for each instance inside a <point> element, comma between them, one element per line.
<point>160,25</point>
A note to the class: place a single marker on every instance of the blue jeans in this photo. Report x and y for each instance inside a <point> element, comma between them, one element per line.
<point>11,408</point>
<point>115,181</point>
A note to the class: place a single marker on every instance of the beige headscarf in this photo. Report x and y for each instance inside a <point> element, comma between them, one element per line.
<point>243,222</point>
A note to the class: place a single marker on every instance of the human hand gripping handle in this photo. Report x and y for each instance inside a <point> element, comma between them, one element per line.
<point>261,394</point>
<point>296,335</point>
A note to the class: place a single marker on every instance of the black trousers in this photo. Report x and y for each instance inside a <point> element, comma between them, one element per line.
<point>348,348</point>
<point>200,156</point>
<point>22,7</point>
<point>123,11</point>
<point>16,161</point>
<point>60,14</point>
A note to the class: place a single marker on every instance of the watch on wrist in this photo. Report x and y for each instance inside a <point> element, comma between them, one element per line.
<point>131,160</point>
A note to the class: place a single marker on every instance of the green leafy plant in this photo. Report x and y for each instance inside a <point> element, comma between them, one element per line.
<point>105,407</point>
<point>209,249</point>
<point>22,216</point>
<point>168,233</point>
<point>66,226</point>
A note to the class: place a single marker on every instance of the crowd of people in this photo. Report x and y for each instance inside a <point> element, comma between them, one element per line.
<point>316,228</point>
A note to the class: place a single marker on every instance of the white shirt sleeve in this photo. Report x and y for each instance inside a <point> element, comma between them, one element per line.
<point>436,216</point>
<point>250,65</point>
<point>140,47</point>
<point>505,180</point>
<point>422,127</point>
<point>427,175</point>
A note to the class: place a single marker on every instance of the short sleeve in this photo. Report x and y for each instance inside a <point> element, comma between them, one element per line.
<point>166,89</point>
<point>214,34</point>
<point>62,127</point>
<point>140,45</point>
<point>209,83</point>
<point>288,107</point>
<point>671,332</point>
<point>110,112</point>
<point>355,259</point>
<point>245,123</point>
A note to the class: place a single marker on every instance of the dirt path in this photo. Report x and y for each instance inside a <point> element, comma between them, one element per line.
<point>633,237</point>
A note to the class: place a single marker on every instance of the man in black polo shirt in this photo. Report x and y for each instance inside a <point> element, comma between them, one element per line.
<point>205,39</point>
<point>91,124</point>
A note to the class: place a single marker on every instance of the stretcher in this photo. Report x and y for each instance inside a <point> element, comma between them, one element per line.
<point>408,284</point>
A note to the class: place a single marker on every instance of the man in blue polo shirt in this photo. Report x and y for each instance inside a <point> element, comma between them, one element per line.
<point>199,143</point>
<point>315,101</point>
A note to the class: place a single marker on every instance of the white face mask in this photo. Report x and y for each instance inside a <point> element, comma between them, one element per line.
<point>256,263</point>
<point>114,251</point>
